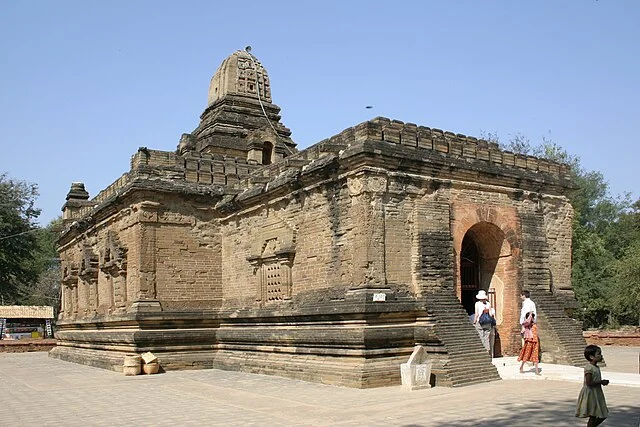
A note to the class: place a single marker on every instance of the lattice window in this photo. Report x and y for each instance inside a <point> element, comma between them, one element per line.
<point>273,282</point>
<point>273,271</point>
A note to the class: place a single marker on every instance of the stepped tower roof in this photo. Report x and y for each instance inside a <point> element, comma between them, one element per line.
<point>240,120</point>
<point>240,74</point>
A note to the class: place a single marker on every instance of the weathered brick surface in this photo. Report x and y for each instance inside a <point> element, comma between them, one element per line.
<point>240,252</point>
<point>26,345</point>
<point>618,338</point>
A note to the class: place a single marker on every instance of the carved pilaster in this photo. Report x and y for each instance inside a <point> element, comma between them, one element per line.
<point>69,290</point>
<point>113,264</point>
<point>367,192</point>
<point>87,285</point>
<point>145,291</point>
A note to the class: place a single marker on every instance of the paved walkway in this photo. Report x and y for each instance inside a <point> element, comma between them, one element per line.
<point>621,369</point>
<point>39,391</point>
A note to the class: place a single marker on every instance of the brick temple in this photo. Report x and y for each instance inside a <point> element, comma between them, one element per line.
<point>330,264</point>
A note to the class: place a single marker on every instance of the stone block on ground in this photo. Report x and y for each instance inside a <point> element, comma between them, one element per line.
<point>416,373</point>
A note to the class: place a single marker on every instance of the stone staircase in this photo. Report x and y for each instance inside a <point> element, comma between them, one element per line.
<point>561,339</point>
<point>466,361</point>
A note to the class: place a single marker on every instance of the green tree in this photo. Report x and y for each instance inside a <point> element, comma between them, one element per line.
<point>626,291</point>
<point>18,243</point>
<point>46,289</point>
<point>626,269</point>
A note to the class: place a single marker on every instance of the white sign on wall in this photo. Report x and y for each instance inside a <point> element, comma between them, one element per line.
<point>379,297</point>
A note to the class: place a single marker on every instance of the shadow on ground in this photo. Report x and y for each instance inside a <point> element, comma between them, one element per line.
<point>542,414</point>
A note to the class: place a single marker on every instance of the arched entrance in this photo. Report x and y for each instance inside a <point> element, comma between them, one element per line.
<point>486,262</point>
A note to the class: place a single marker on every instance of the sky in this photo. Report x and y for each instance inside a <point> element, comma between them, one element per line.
<point>84,84</point>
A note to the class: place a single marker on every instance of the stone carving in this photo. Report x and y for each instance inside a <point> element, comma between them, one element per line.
<point>416,373</point>
<point>70,274</point>
<point>374,184</point>
<point>114,256</point>
<point>69,288</point>
<point>88,275</point>
<point>113,263</point>
<point>88,264</point>
<point>272,259</point>
<point>355,185</point>
<point>377,184</point>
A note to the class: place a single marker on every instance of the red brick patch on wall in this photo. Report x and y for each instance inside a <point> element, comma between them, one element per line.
<point>622,338</point>
<point>24,346</point>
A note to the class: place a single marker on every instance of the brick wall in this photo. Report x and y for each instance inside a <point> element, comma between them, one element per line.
<point>621,338</point>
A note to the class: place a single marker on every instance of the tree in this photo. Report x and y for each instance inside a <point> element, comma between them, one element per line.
<point>18,242</point>
<point>46,289</point>
<point>626,292</point>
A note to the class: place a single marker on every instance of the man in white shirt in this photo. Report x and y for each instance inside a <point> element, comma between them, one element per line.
<point>528,306</point>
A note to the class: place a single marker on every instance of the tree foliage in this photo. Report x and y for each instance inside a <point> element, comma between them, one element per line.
<point>18,242</point>
<point>46,289</point>
<point>626,268</point>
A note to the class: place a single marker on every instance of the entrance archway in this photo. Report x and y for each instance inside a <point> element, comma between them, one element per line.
<point>485,262</point>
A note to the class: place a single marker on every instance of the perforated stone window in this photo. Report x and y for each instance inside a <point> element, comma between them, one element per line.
<point>275,286</point>
<point>273,271</point>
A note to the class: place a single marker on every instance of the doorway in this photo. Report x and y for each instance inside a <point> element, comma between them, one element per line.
<point>469,273</point>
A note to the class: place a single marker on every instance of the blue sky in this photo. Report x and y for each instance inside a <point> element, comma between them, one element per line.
<point>84,84</point>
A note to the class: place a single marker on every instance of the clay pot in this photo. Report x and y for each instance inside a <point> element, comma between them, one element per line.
<point>151,368</point>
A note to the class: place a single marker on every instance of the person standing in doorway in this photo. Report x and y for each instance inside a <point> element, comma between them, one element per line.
<point>484,319</point>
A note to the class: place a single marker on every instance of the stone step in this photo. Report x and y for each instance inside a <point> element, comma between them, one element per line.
<point>475,378</point>
<point>468,362</point>
<point>564,332</point>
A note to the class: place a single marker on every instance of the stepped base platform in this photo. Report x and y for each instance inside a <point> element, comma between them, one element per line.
<point>355,342</point>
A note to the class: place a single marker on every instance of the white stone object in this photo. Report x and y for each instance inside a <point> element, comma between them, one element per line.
<point>416,373</point>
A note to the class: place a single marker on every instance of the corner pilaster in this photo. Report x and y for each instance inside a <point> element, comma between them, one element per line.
<point>145,297</point>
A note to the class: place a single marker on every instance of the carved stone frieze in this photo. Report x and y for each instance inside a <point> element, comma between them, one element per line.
<point>148,211</point>
<point>366,183</point>
<point>355,185</point>
<point>377,184</point>
<point>89,265</point>
<point>70,274</point>
<point>113,258</point>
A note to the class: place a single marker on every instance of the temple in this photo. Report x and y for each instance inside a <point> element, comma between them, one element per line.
<point>329,264</point>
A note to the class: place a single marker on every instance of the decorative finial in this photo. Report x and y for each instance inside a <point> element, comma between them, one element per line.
<point>248,49</point>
